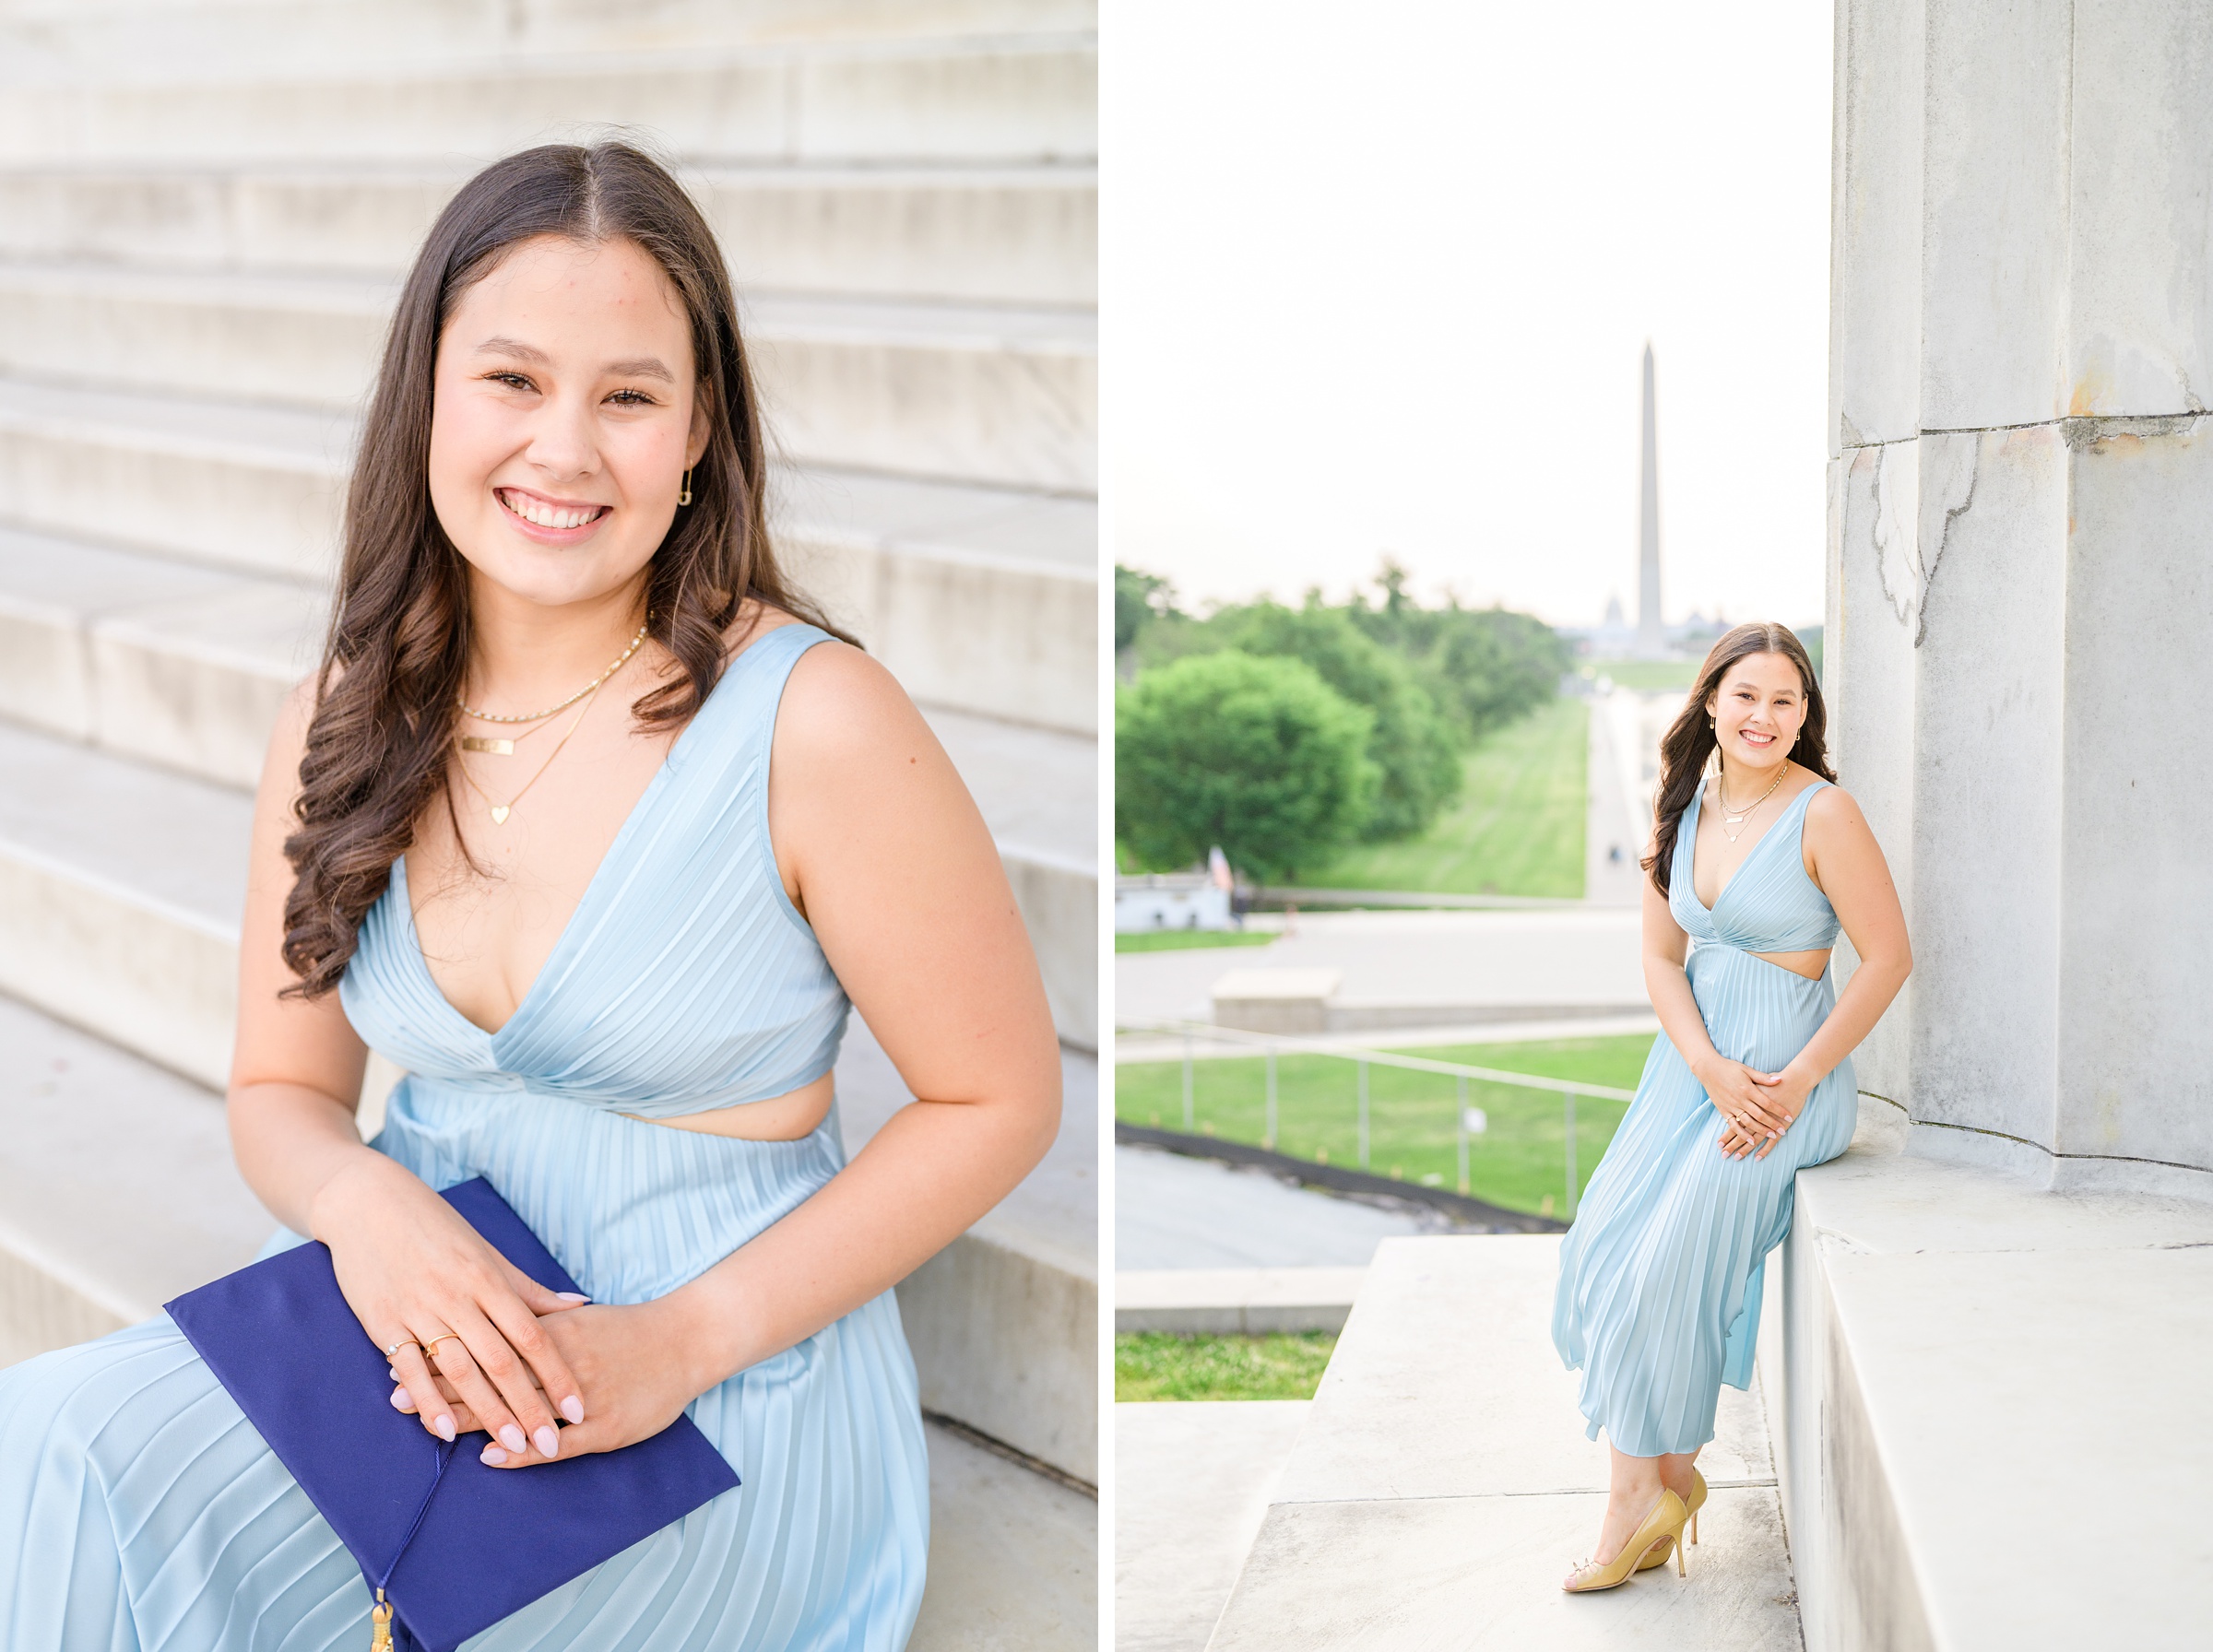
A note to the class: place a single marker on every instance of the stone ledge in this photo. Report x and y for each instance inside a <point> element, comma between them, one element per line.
<point>1235,1300</point>
<point>1961,1356</point>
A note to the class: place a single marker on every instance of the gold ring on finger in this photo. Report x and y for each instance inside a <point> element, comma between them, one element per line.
<point>403,1342</point>
<point>430,1348</point>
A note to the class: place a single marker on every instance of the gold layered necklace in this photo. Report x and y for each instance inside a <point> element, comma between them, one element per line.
<point>1737,817</point>
<point>498,748</point>
<point>500,811</point>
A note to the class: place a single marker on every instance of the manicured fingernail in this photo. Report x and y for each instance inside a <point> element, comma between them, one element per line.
<point>445,1425</point>
<point>548,1445</point>
<point>493,1457</point>
<point>573,1409</point>
<point>512,1437</point>
<point>571,1296</point>
<point>400,1402</point>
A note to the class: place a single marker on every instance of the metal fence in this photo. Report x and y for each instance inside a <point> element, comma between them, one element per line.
<point>1270,1044</point>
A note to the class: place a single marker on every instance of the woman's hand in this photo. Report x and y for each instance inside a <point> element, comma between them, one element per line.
<point>413,1270</point>
<point>1782,1096</point>
<point>1743,1095</point>
<point>631,1359</point>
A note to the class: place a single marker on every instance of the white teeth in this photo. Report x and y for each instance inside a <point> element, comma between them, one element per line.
<point>529,510</point>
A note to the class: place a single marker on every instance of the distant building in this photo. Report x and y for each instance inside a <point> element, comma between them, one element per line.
<point>1170,901</point>
<point>1651,638</point>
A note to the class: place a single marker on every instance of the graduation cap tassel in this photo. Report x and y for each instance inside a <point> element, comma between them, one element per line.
<point>379,1615</point>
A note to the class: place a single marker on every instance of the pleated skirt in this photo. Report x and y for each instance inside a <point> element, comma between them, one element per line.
<point>1657,1302</point>
<point>140,1510</point>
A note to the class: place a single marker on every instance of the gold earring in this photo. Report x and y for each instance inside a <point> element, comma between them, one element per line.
<point>686,496</point>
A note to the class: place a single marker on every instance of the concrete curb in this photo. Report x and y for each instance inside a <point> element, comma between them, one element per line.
<point>1468,1212</point>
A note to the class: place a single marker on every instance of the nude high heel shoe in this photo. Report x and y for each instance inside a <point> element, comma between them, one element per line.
<point>1661,1529</point>
<point>1694,1503</point>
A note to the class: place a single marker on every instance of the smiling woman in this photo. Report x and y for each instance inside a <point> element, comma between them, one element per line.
<point>591,824</point>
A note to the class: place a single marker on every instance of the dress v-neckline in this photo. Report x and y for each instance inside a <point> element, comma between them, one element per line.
<point>1697,814</point>
<point>624,833</point>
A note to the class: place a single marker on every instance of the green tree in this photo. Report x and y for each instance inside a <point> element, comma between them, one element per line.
<point>1138,599</point>
<point>1486,667</point>
<point>1260,756</point>
<point>1416,750</point>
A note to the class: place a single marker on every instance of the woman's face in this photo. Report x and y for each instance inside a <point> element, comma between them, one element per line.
<point>563,419</point>
<point>1757,710</point>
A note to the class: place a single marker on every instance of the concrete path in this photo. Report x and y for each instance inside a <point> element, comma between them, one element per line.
<point>1618,808</point>
<point>1139,1046</point>
<point>1170,1211</point>
<point>1442,1486</point>
<point>1579,956</point>
<point>1192,1486</point>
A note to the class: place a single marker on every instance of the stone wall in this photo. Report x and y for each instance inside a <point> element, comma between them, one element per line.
<point>2020,568</point>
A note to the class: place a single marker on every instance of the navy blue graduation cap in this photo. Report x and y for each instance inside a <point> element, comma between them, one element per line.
<point>457,1546</point>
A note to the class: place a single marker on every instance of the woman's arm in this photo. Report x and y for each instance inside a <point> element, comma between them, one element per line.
<point>407,1264</point>
<point>1846,865</point>
<point>1733,1087</point>
<point>883,850</point>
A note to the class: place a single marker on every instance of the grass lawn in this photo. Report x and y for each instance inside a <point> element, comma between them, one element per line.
<point>1187,941</point>
<point>1518,1162</point>
<point>1517,830</point>
<point>1156,1365</point>
<point>1646,676</point>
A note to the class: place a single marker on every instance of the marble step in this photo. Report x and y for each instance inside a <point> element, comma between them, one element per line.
<point>93,1238</point>
<point>993,100</point>
<point>1442,1485</point>
<point>121,882</point>
<point>980,600</point>
<point>993,395</point>
<point>83,39</point>
<point>1026,235</point>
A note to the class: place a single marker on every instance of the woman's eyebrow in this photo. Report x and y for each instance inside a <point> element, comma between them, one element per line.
<point>641,367</point>
<point>516,347</point>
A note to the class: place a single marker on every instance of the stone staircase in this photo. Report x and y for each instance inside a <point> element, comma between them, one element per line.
<point>205,210</point>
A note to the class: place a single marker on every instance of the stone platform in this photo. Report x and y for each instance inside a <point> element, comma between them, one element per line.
<point>1442,1486</point>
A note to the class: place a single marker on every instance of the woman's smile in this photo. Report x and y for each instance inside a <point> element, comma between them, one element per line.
<point>551,520</point>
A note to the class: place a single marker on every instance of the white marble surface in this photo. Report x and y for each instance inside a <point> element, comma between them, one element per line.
<point>1191,1484</point>
<point>1442,1486</point>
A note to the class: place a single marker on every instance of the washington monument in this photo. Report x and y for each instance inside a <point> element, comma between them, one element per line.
<point>1651,642</point>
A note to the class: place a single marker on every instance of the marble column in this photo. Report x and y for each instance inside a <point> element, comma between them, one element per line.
<point>2019,623</point>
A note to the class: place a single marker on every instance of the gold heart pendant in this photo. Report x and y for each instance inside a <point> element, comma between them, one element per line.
<point>498,813</point>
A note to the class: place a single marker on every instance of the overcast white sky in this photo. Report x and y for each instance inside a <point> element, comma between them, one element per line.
<point>1377,277</point>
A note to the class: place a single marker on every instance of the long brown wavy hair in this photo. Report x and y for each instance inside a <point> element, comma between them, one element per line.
<point>379,744</point>
<point>1690,742</point>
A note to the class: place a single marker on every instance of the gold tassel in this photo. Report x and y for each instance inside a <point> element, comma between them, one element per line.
<point>379,1624</point>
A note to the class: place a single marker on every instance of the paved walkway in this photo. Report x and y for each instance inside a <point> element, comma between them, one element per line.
<point>1454,960</point>
<point>1170,1211</point>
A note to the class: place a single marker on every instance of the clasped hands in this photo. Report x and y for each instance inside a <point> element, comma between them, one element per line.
<point>1756,1107</point>
<point>505,1356</point>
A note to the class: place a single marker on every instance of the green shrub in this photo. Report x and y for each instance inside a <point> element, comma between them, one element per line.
<point>1260,756</point>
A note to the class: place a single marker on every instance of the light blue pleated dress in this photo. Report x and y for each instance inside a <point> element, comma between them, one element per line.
<point>1658,1303</point>
<point>140,1510</point>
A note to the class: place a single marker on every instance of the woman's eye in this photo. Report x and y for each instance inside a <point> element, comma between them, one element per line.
<point>514,381</point>
<point>632,398</point>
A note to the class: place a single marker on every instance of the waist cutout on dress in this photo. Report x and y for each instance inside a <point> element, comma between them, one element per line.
<point>1755,1012</point>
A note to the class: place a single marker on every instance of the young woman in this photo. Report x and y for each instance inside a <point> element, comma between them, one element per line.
<point>1758,859</point>
<point>589,825</point>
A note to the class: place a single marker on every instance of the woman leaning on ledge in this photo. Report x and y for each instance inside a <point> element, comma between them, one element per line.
<point>591,826</point>
<point>1757,858</point>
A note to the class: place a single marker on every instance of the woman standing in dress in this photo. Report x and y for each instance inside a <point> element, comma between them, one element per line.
<point>1758,859</point>
<point>587,825</point>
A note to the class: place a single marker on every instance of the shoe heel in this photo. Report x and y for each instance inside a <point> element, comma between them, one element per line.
<point>1694,1528</point>
<point>1681,1570</point>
